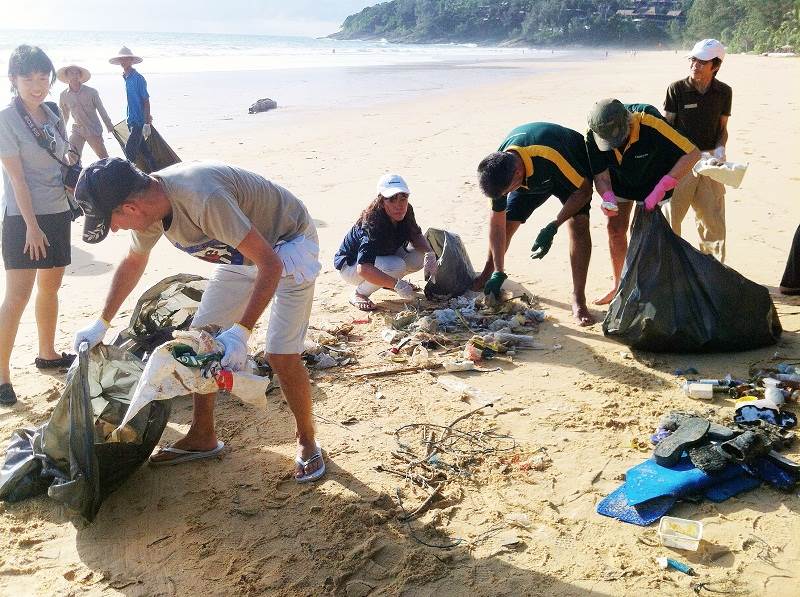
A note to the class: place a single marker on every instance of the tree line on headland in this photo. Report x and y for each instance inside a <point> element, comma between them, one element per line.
<point>742,25</point>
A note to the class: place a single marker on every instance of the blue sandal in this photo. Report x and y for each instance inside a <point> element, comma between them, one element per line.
<point>304,463</point>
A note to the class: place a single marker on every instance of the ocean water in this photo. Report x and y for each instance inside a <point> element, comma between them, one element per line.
<point>195,52</point>
<point>201,84</point>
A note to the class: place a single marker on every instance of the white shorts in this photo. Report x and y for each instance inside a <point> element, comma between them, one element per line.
<point>228,293</point>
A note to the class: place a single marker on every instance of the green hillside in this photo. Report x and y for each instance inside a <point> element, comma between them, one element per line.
<point>759,25</point>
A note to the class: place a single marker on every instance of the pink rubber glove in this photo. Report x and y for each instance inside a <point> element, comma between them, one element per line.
<point>609,204</point>
<point>667,183</point>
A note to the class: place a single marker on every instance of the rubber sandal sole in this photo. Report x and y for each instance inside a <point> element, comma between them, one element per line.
<point>689,433</point>
<point>183,456</point>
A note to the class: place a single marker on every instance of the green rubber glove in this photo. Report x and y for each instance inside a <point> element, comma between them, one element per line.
<point>494,284</point>
<point>544,241</point>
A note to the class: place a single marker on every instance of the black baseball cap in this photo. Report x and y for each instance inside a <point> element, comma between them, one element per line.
<point>101,188</point>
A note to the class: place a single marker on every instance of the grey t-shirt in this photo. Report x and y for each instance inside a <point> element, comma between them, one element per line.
<point>213,208</point>
<point>42,172</point>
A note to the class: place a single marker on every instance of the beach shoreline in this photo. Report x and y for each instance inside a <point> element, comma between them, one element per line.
<point>240,525</point>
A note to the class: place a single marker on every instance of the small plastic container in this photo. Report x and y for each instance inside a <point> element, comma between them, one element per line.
<point>680,533</point>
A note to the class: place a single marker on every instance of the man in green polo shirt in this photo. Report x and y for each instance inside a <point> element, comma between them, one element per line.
<point>699,107</point>
<point>536,161</point>
<point>634,156</point>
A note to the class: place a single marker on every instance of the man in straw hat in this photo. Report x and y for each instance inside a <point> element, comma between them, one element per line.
<point>699,106</point>
<point>139,117</point>
<point>83,103</point>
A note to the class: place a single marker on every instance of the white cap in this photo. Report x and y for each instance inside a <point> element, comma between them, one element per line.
<point>390,185</point>
<point>707,49</point>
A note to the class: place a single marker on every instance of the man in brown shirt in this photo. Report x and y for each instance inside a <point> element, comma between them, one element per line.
<point>83,104</point>
<point>699,106</point>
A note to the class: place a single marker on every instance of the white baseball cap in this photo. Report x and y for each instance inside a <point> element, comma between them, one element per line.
<point>707,49</point>
<point>390,185</point>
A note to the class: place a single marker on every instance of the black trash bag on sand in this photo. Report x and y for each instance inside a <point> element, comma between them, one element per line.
<point>672,298</point>
<point>455,273</point>
<point>73,457</point>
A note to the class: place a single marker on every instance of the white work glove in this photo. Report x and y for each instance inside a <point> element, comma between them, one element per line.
<point>299,258</point>
<point>405,290</point>
<point>430,267</point>
<point>93,334</point>
<point>719,153</point>
<point>234,339</point>
<point>146,131</point>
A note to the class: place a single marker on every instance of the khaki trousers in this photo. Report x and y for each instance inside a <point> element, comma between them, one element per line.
<point>707,198</point>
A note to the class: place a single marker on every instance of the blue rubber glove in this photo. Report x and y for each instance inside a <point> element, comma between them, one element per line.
<point>544,241</point>
<point>494,284</point>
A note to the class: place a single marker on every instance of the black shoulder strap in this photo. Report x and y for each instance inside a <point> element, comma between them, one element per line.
<point>54,107</point>
<point>37,132</point>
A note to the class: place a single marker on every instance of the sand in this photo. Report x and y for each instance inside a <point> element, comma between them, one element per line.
<point>239,525</point>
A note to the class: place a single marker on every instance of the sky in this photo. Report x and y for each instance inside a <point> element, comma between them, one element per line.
<point>311,18</point>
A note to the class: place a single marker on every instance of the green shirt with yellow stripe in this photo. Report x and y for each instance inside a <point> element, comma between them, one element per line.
<point>554,157</point>
<point>652,149</point>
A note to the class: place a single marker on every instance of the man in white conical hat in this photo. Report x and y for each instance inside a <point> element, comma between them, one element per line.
<point>139,117</point>
<point>83,104</point>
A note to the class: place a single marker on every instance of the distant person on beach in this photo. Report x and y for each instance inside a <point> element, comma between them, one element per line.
<point>699,107</point>
<point>384,245</point>
<point>36,213</point>
<point>635,156</point>
<point>139,117</point>
<point>265,246</point>
<point>83,103</point>
<point>534,162</point>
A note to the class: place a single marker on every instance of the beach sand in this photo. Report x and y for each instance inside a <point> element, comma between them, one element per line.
<point>239,525</point>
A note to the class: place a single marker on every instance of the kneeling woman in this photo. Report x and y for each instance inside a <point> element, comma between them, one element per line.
<point>375,253</point>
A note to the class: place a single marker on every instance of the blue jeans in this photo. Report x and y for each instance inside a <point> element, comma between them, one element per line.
<point>135,144</point>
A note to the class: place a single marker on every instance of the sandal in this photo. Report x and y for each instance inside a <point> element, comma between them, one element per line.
<point>689,433</point>
<point>64,361</point>
<point>362,302</point>
<point>307,478</point>
<point>7,395</point>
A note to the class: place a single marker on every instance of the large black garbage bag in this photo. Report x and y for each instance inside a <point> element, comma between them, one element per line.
<point>672,298</point>
<point>455,273</point>
<point>163,154</point>
<point>73,456</point>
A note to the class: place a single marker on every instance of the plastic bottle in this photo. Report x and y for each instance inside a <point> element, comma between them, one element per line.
<point>702,391</point>
<point>773,392</point>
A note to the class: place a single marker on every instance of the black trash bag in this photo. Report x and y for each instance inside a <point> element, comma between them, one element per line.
<point>672,298</point>
<point>74,457</point>
<point>163,308</point>
<point>455,273</point>
<point>163,154</point>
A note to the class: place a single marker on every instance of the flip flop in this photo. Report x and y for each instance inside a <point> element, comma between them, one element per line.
<point>671,421</point>
<point>304,463</point>
<point>362,303</point>
<point>65,360</point>
<point>185,455</point>
<point>689,433</point>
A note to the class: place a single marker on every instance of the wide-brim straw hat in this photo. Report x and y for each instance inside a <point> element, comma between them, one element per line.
<point>125,52</point>
<point>61,73</point>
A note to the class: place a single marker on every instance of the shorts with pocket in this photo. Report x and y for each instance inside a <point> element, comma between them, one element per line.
<point>56,228</point>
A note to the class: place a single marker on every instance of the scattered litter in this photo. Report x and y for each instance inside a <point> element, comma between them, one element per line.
<point>509,539</point>
<point>518,519</point>
<point>680,533</point>
<point>676,565</point>
<point>455,385</point>
<point>686,371</point>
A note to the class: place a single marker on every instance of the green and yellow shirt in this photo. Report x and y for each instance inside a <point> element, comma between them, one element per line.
<point>652,150</point>
<point>554,157</point>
